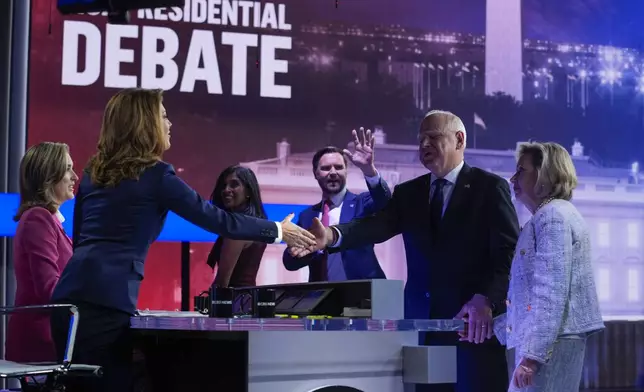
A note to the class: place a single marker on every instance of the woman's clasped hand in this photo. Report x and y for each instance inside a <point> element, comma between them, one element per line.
<point>295,236</point>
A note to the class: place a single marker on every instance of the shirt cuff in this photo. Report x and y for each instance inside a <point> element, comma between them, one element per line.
<point>279,233</point>
<point>373,181</point>
<point>339,241</point>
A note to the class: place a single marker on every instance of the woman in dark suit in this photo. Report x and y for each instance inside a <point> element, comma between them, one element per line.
<point>237,261</point>
<point>41,249</point>
<point>121,206</point>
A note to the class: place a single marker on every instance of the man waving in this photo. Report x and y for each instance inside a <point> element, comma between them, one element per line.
<point>339,205</point>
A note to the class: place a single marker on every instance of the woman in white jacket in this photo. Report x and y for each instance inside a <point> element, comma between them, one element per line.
<point>552,302</point>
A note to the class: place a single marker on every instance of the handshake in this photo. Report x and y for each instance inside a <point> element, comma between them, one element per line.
<point>303,242</point>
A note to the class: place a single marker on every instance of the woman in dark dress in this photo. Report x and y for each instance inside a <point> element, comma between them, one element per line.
<point>237,261</point>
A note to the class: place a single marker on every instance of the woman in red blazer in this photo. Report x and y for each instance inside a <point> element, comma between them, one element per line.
<point>41,248</point>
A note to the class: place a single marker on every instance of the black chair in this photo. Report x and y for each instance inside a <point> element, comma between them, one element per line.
<point>29,373</point>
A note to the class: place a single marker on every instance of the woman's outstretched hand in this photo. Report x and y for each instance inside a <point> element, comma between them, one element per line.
<point>323,238</point>
<point>296,237</point>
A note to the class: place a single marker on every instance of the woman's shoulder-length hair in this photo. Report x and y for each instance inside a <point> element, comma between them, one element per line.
<point>556,173</point>
<point>131,139</point>
<point>42,167</point>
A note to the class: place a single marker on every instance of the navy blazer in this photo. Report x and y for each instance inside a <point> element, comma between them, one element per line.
<point>360,262</point>
<point>115,226</point>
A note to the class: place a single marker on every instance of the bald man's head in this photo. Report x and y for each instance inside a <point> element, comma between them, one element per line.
<point>442,140</point>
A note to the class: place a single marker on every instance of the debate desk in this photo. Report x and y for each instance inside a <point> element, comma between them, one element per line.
<point>324,337</point>
<point>187,351</point>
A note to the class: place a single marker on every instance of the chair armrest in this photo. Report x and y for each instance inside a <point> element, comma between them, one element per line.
<point>73,324</point>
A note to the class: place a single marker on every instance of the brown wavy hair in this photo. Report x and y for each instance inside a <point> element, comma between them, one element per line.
<point>42,167</point>
<point>132,137</point>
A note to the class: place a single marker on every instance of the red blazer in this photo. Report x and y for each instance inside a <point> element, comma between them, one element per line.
<point>41,249</point>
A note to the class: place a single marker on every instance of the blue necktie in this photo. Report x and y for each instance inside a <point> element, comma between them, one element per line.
<point>436,204</point>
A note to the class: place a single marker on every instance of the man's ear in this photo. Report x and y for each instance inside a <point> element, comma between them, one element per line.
<point>460,138</point>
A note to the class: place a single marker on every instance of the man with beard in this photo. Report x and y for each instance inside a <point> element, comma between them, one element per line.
<point>339,205</point>
<point>460,229</point>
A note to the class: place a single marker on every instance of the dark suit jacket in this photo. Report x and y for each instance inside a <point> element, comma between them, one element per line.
<point>41,249</point>
<point>359,262</point>
<point>114,228</point>
<point>471,255</point>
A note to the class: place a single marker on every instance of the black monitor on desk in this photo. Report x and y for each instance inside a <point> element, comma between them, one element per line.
<point>300,303</point>
<point>379,299</point>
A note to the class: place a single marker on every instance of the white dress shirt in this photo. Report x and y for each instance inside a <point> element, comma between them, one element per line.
<point>335,266</point>
<point>60,217</point>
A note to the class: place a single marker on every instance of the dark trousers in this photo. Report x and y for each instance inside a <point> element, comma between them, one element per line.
<point>103,338</point>
<point>480,367</point>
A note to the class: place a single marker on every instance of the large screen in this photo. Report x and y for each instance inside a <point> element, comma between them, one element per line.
<point>266,84</point>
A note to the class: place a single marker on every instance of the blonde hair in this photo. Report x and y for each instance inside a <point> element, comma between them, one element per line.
<point>556,174</point>
<point>42,167</point>
<point>450,122</point>
<point>132,137</point>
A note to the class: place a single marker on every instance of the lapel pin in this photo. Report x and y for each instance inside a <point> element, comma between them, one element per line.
<point>467,186</point>
<point>351,205</point>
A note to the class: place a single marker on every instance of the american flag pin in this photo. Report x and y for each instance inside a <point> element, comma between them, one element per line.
<point>467,186</point>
